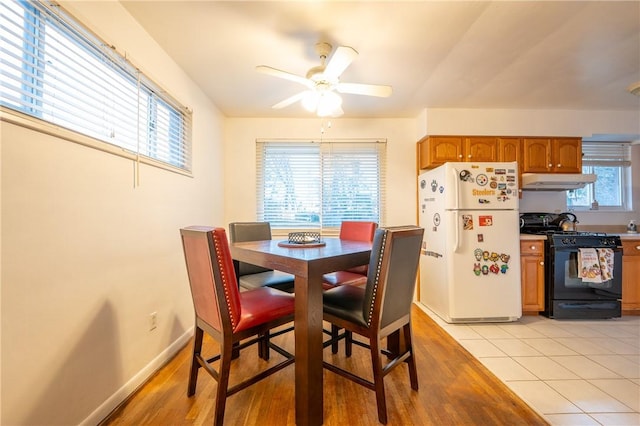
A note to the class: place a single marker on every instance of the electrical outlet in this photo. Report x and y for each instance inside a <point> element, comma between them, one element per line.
<point>153,321</point>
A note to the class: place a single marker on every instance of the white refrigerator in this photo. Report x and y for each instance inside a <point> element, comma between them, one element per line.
<point>470,258</point>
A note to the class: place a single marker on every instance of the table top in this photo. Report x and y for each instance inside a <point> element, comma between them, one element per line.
<point>332,247</point>
<point>335,255</point>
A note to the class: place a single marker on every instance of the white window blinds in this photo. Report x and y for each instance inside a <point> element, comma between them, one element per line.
<point>606,154</point>
<point>317,185</point>
<point>56,70</point>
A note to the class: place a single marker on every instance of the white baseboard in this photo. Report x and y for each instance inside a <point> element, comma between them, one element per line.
<point>121,395</point>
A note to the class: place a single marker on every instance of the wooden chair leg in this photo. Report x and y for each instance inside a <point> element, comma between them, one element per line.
<point>224,370</point>
<point>263,346</point>
<point>193,374</point>
<point>378,379</point>
<point>411,361</point>
<point>335,330</point>
<point>236,352</point>
<point>348,343</point>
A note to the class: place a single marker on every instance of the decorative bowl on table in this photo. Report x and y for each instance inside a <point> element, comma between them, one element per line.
<point>304,237</point>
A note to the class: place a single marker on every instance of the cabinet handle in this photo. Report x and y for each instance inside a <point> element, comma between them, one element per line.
<point>532,247</point>
<point>468,155</point>
<point>460,156</point>
<point>559,165</point>
<point>550,165</point>
<point>637,247</point>
<point>541,263</point>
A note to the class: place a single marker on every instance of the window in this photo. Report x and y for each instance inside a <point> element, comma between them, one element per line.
<point>611,163</point>
<point>55,70</point>
<point>317,185</point>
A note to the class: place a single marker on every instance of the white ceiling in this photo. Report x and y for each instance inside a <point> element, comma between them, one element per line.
<point>435,54</point>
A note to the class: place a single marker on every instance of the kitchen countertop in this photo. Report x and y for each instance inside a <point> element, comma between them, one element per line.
<point>532,237</point>
<point>622,235</point>
<point>629,236</point>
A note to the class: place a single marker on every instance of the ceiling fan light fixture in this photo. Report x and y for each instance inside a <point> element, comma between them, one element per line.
<point>310,100</point>
<point>329,104</point>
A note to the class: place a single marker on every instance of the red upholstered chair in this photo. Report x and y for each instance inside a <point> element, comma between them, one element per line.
<point>228,315</point>
<point>356,231</point>
<point>380,308</point>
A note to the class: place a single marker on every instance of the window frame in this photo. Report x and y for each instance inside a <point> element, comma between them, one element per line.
<point>141,140</point>
<point>611,155</point>
<point>317,175</point>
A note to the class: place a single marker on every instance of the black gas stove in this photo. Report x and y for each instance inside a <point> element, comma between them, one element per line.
<point>571,291</point>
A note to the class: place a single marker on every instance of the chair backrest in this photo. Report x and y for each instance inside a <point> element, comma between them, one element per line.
<point>249,231</point>
<point>358,231</point>
<point>395,256</point>
<point>212,278</point>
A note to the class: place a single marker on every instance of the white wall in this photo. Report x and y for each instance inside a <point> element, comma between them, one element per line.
<point>546,123</point>
<point>86,256</point>
<point>240,173</point>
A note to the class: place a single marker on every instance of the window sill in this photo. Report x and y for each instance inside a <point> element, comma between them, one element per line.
<point>8,115</point>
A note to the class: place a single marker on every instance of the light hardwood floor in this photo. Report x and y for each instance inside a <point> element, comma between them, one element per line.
<point>455,389</point>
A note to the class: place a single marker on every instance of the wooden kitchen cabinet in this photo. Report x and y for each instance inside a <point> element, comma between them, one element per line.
<point>630,274</point>
<point>437,150</point>
<point>551,155</point>
<point>532,272</point>
<point>480,149</point>
<point>509,149</point>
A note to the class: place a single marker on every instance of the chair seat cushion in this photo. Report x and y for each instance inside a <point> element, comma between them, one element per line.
<point>262,305</point>
<point>346,302</point>
<point>275,279</point>
<point>344,278</point>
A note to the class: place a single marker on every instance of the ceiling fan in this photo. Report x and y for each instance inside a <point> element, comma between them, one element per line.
<point>323,81</point>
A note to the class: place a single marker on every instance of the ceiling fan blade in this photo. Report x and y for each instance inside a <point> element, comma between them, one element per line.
<point>283,74</point>
<point>339,62</point>
<point>365,89</point>
<point>290,100</point>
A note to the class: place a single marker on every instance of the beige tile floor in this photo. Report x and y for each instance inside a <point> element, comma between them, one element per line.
<point>573,372</point>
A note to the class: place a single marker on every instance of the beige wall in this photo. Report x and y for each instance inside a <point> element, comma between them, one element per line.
<point>86,256</point>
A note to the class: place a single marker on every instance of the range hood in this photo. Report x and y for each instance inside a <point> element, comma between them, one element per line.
<point>555,181</point>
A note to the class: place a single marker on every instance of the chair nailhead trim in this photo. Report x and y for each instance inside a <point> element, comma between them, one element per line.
<point>225,280</point>
<point>377,278</point>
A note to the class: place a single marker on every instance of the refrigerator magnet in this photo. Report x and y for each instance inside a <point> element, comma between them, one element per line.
<point>467,222</point>
<point>485,220</point>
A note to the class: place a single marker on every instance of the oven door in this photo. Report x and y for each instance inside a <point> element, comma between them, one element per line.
<point>569,296</point>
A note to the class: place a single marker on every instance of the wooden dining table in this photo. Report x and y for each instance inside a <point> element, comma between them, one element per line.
<point>308,263</point>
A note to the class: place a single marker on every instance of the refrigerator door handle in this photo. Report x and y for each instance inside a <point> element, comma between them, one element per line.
<point>456,245</point>
<point>456,188</point>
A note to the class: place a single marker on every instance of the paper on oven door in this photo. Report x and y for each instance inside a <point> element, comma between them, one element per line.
<point>589,265</point>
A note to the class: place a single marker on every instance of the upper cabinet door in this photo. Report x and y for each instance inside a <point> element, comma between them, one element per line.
<point>437,150</point>
<point>509,150</point>
<point>567,155</point>
<point>536,155</point>
<point>481,149</point>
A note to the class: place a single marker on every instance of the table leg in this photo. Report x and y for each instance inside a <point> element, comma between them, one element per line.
<point>308,365</point>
